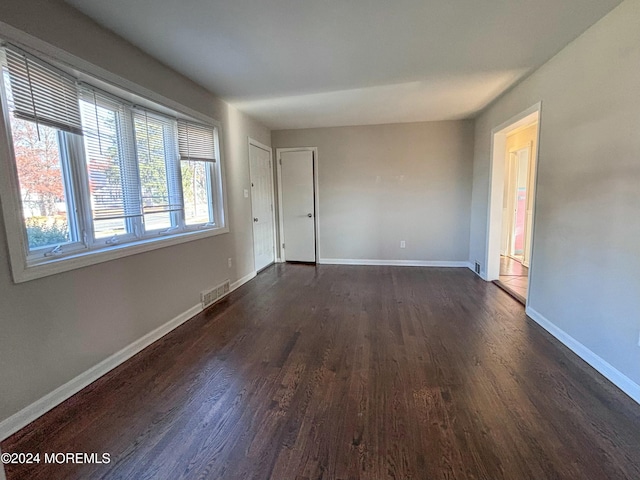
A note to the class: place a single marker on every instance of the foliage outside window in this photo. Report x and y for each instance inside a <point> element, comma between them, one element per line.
<point>41,183</point>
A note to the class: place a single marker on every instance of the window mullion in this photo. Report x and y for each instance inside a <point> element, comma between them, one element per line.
<point>131,181</point>
<point>212,193</point>
<point>74,152</point>
<point>69,187</point>
<point>175,182</point>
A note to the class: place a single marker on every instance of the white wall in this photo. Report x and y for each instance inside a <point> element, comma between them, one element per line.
<point>55,328</point>
<point>380,184</point>
<point>586,248</point>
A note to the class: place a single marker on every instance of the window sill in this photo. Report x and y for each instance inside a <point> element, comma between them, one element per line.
<point>85,259</point>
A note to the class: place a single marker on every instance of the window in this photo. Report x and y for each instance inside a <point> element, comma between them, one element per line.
<point>112,179</point>
<point>95,173</point>
<point>197,164</point>
<point>43,185</point>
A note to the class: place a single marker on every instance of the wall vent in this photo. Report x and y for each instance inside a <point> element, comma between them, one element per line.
<point>477,268</point>
<point>209,297</point>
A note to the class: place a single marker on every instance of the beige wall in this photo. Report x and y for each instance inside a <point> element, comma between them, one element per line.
<point>381,184</point>
<point>586,252</point>
<point>55,328</point>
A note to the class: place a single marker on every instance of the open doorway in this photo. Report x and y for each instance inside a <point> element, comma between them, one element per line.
<point>510,238</point>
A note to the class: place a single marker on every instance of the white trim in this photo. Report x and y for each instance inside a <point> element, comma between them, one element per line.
<point>396,263</point>
<point>38,408</point>
<point>279,249</point>
<point>611,373</point>
<point>22,273</point>
<point>258,144</point>
<point>27,415</point>
<point>316,197</point>
<point>255,143</point>
<point>241,281</point>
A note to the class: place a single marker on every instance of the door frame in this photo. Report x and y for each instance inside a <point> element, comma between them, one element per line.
<point>252,142</point>
<point>496,190</point>
<point>316,198</point>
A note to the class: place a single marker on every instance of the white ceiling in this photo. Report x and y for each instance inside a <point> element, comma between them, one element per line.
<point>311,63</point>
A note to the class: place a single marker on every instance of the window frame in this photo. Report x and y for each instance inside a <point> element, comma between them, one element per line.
<point>75,243</point>
<point>79,147</point>
<point>172,168</point>
<point>215,189</point>
<point>88,250</point>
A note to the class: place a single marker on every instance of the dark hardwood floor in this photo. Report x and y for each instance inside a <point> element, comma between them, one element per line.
<point>337,372</point>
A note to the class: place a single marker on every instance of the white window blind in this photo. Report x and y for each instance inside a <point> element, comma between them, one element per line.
<point>110,158</point>
<point>196,141</point>
<point>157,166</point>
<point>43,93</point>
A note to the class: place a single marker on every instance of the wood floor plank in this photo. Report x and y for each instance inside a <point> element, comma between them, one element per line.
<point>338,372</point>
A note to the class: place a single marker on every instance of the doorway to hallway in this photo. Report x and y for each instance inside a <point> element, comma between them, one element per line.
<point>510,235</point>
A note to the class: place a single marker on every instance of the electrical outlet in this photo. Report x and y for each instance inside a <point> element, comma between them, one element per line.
<point>402,244</point>
<point>229,262</point>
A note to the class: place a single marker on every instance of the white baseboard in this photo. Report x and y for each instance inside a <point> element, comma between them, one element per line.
<point>616,377</point>
<point>241,281</point>
<point>38,408</point>
<point>394,263</point>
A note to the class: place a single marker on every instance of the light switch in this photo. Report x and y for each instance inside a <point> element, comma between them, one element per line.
<point>246,193</point>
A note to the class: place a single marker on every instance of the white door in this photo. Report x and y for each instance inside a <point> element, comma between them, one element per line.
<point>262,206</point>
<point>298,212</point>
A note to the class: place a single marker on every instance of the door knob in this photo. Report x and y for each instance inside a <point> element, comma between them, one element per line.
<point>309,215</point>
<point>255,219</point>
